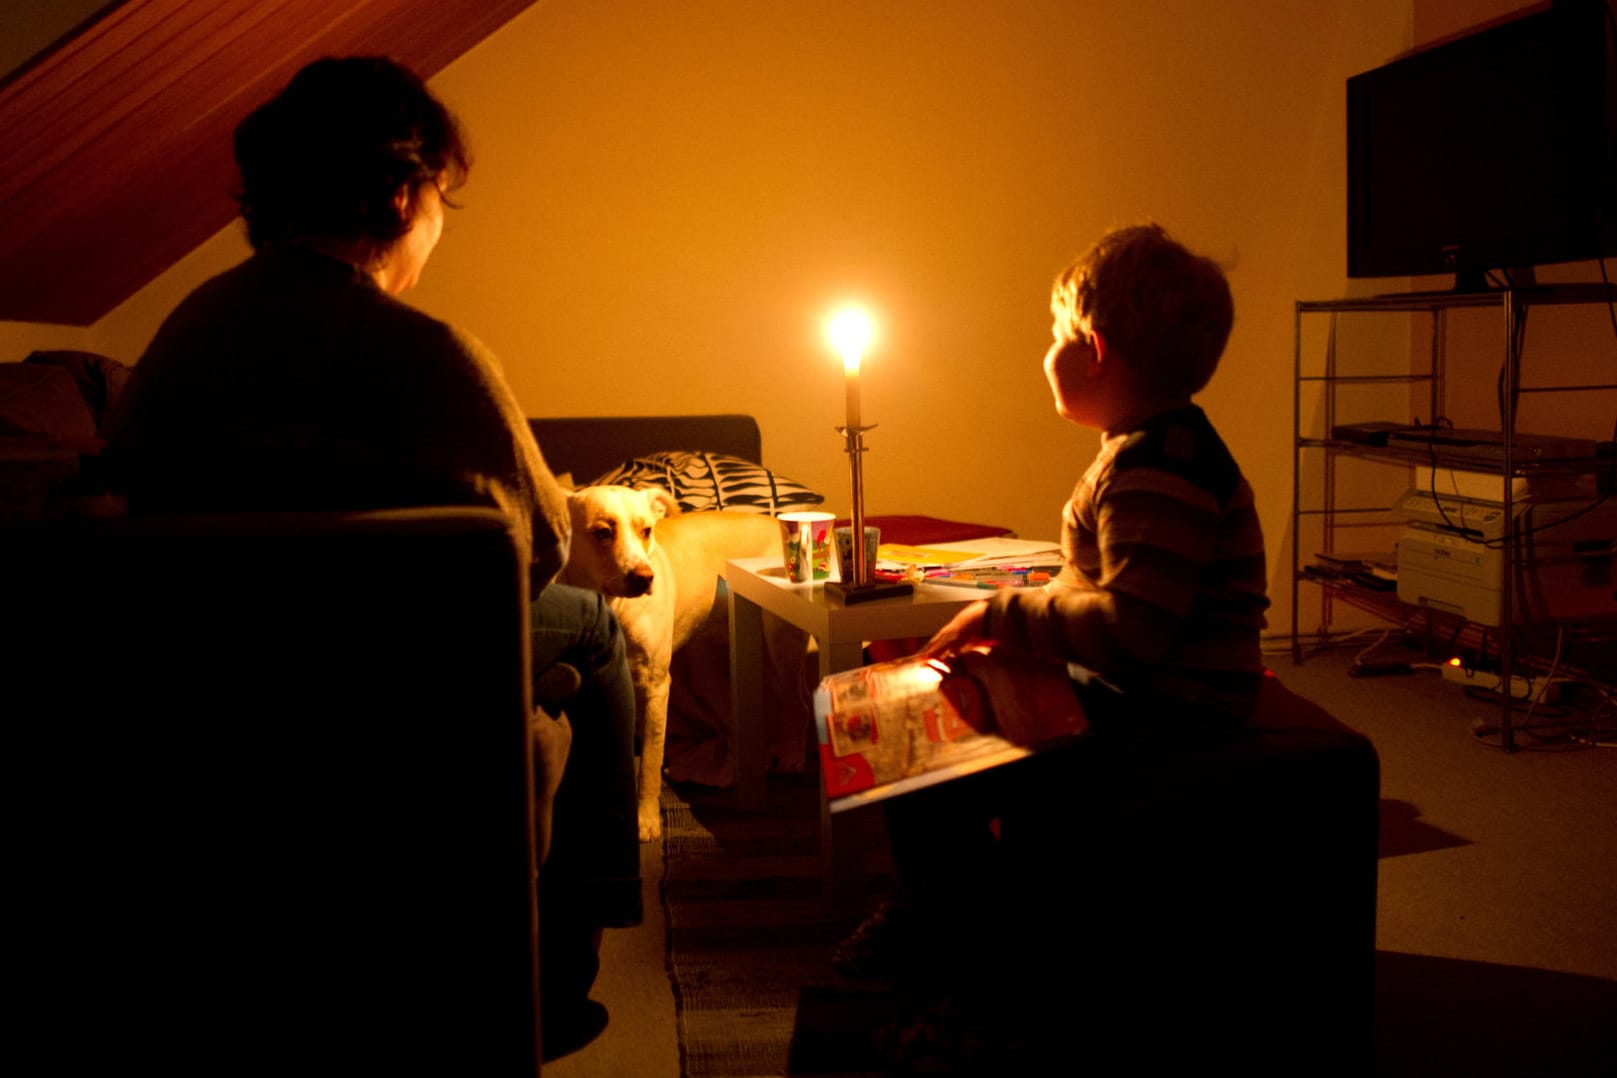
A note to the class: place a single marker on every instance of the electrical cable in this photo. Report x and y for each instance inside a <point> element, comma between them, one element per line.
<point>1538,697</point>
<point>1358,660</point>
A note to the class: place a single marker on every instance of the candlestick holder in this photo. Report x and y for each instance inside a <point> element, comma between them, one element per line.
<point>861,589</point>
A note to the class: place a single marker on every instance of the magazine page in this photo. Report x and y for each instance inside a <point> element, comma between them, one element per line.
<point>910,723</point>
<point>991,551</point>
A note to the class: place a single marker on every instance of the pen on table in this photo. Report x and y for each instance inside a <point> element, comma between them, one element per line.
<point>990,581</point>
<point>990,578</point>
<point>962,582</point>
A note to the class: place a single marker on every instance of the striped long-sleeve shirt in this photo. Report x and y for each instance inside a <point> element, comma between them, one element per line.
<point>1163,589</point>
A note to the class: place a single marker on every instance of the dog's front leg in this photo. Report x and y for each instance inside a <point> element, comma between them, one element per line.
<point>653,701</point>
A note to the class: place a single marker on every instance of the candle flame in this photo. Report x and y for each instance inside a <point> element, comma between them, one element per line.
<point>850,330</point>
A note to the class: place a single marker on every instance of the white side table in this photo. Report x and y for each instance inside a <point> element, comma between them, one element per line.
<point>757,585</point>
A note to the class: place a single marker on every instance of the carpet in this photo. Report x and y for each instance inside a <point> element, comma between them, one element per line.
<point>750,938</point>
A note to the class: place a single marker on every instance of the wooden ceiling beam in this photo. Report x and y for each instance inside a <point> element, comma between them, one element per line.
<point>115,156</point>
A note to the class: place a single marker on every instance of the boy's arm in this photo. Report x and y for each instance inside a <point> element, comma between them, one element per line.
<point>1108,631</point>
<point>1156,539</point>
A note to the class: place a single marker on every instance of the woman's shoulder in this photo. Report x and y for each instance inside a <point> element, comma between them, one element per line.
<point>431,340</point>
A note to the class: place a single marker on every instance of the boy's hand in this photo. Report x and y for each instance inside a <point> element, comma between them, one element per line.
<point>965,628</point>
<point>1027,701</point>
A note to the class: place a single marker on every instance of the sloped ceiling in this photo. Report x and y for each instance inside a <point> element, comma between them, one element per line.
<point>115,155</point>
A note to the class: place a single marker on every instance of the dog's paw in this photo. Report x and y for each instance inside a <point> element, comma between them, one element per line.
<point>651,823</point>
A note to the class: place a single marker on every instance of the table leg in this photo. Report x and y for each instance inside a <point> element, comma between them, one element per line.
<point>748,736</point>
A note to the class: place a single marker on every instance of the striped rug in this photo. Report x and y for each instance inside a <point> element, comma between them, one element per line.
<point>750,939</point>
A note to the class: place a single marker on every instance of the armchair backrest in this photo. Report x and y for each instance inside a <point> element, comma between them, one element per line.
<point>271,782</point>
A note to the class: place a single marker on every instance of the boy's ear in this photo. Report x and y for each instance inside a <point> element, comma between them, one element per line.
<point>1102,351</point>
<point>1098,342</point>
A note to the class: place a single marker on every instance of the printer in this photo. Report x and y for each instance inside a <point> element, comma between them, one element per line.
<point>1454,548</point>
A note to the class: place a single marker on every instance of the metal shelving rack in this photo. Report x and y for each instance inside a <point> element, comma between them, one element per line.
<point>1511,304</point>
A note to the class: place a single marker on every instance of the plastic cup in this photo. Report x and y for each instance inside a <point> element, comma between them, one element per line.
<point>844,539</point>
<point>807,546</point>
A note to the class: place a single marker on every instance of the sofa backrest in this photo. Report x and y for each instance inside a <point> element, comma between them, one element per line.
<point>590,446</point>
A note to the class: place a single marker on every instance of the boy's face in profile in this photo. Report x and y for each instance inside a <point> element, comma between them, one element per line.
<point>1070,367</point>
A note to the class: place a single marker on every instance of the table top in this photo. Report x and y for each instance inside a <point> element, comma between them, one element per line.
<point>807,606</point>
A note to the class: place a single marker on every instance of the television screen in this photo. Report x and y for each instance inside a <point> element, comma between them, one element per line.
<point>1489,151</point>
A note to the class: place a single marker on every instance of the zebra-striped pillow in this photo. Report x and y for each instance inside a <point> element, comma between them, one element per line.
<point>702,481</point>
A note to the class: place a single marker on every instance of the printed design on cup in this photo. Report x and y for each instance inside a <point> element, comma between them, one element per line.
<point>807,546</point>
<point>844,538</point>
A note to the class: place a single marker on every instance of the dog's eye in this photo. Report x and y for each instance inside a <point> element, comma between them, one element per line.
<point>645,533</point>
<point>603,532</point>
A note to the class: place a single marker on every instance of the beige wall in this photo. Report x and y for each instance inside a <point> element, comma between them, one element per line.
<point>668,197</point>
<point>17,339</point>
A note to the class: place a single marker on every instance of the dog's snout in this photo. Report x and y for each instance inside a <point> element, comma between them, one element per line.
<point>639,581</point>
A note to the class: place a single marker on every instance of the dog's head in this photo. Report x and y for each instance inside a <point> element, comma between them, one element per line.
<point>614,535</point>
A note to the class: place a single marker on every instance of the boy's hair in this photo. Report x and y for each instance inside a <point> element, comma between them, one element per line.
<point>325,158</point>
<point>1168,312</point>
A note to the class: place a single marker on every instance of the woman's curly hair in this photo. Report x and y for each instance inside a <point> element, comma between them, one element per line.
<point>326,158</point>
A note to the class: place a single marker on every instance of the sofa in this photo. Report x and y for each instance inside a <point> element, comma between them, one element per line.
<point>583,449</point>
<point>53,404</point>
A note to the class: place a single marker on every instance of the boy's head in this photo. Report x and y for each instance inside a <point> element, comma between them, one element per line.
<point>1164,312</point>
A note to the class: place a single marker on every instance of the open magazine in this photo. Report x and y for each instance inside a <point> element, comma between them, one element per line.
<point>909,723</point>
<point>990,552</point>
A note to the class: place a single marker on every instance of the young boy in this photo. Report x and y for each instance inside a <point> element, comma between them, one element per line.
<point>1163,588</point>
<point>1157,613</point>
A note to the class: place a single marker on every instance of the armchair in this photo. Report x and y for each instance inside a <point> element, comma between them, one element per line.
<point>272,793</point>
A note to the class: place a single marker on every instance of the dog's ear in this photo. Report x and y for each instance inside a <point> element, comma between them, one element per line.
<point>661,501</point>
<point>565,481</point>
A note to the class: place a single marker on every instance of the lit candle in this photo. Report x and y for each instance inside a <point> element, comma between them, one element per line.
<point>850,370</point>
<point>850,330</point>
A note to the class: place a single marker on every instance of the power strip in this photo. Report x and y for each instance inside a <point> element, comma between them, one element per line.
<point>1521,688</point>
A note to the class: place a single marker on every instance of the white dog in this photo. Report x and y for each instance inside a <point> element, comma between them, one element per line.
<point>659,569</point>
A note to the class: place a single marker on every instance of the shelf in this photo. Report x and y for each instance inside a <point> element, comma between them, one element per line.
<point>1426,458</point>
<point>1383,604</point>
<point>1367,379</point>
<point>1317,487</point>
<point>1585,647</point>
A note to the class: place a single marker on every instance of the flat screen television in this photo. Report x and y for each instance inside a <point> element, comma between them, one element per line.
<point>1488,152</point>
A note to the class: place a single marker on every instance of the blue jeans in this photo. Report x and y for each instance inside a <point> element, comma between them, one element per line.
<point>592,876</point>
